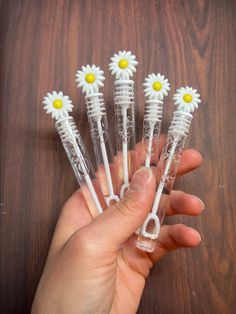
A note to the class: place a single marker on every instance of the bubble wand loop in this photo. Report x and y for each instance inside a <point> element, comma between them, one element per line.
<point>155,88</point>
<point>59,105</point>
<point>91,79</point>
<point>123,66</point>
<point>187,101</point>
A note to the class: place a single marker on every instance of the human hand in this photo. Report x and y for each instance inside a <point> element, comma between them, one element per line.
<point>93,266</point>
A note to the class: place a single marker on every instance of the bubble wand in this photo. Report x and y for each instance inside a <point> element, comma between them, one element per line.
<point>123,66</point>
<point>187,100</point>
<point>91,78</point>
<point>155,88</point>
<point>58,105</point>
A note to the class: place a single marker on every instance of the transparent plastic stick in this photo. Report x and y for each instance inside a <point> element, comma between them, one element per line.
<point>125,126</point>
<point>90,78</point>
<point>155,88</point>
<point>123,66</point>
<point>78,158</point>
<point>152,129</point>
<point>99,130</point>
<point>59,105</point>
<point>167,167</point>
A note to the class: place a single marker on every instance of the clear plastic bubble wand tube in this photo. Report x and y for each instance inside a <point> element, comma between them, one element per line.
<point>155,88</point>
<point>187,100</point>
<point>90,79</point>
<point>123,66</point>
<point>58,105</point>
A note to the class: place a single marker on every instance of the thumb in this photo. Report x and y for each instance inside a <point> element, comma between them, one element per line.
<point>120,221</point>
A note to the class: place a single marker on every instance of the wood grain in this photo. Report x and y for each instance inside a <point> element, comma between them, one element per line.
<point>42,44</point>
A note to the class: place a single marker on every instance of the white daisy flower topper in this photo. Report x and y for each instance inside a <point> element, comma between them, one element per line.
<point>90,78</point>
<point>123,65</point>
<point>187,99</point>
<point>156,86</point>
<point>57,104</point>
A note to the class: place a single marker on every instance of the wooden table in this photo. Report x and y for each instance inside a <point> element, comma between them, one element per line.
<point>42,44</point>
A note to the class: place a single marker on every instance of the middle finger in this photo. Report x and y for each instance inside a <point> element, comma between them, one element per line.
<point>181,203</point>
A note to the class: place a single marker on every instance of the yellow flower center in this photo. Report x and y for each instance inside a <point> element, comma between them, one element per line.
<point>157,86</point>
<point>187,98</point>
<point>58,104</point>
<point>123,64</point>
<point>90,78</point>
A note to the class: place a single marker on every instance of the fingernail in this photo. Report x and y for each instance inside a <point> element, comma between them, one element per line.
<point>195,233</point>
<point>200,201</point>
<point>141,179</point>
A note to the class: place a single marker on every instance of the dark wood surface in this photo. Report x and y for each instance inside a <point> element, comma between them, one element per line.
<point>42,44</point>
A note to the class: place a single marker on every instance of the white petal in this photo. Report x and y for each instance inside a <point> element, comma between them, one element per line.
<point>132,68</point>
<point>129,72</point>
<point>84,69</point>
